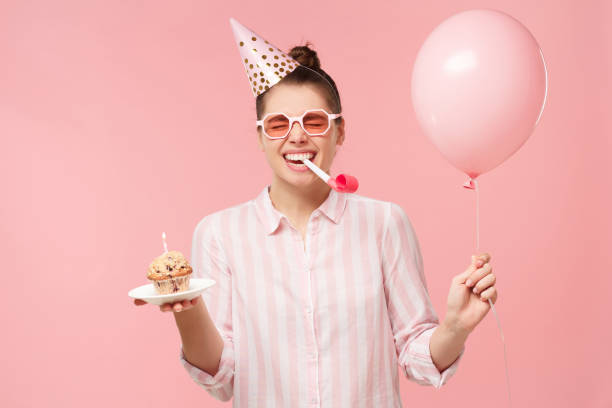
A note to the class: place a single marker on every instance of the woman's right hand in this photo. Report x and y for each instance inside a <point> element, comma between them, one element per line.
<point>175,307</point>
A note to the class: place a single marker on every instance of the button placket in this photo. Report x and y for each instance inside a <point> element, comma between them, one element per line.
<point>309,310</point>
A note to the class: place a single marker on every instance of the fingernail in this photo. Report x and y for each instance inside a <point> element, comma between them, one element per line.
<point>475,290</point>
<point>468,283</point>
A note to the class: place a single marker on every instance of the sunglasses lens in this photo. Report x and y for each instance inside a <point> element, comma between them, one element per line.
<point>276,125</point>
<point>316,123</point>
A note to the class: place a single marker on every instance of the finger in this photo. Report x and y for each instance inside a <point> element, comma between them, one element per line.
<point>478,274</point>
<point>488,293</point>
<point>194,300</point>
<point>485,257</point>
<point>477,262</point>
<point>139,302</point>
<point>166,307</point>
<point>460,278</point>
<point>177,307</point>
<point>484,283</point>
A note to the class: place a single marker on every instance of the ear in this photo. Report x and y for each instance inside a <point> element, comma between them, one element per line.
<point>340,132</point>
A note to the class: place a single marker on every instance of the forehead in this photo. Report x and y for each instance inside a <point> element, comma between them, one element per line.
<point>294,99</point>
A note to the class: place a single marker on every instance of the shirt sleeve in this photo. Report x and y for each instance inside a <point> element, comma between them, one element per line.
<point>208,261</point>
<point>412,316</point>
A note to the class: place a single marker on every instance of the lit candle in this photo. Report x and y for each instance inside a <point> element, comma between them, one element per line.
<point>164,239</point>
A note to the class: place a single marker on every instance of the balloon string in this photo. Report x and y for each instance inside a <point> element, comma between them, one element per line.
<point>477,216</point>
<point>475,184</point>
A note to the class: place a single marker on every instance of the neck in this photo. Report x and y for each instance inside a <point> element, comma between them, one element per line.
<point>298,202</point>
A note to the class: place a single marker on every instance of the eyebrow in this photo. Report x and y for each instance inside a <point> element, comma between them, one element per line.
<point>307,109</point>
<point>277,117</point>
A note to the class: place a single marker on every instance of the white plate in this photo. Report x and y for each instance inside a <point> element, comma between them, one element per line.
<point>149,295</point>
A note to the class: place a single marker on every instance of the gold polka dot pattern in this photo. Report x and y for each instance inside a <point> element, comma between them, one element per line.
<point>255,53</point>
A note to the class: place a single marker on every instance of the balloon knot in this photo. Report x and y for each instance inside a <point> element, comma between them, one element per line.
<point>469,184</point>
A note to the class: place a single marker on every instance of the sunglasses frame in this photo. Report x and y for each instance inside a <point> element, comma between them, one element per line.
<point>299,119</point>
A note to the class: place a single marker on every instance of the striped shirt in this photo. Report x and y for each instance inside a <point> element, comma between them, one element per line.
<point>323,321</point>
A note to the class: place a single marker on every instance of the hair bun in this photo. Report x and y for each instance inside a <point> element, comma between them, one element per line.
<point>305,56</point>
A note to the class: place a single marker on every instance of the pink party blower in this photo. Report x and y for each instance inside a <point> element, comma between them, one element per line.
<point>343,183</point>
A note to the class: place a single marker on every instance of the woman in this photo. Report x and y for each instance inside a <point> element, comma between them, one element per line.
<point>319,294</point>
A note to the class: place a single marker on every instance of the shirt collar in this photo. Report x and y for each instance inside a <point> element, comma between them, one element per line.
<point>332,207</point>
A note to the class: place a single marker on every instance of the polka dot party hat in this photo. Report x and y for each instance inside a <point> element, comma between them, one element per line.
<point>264,63</point>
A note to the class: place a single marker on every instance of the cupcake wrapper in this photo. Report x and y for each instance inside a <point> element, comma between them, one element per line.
<point>172,285</point>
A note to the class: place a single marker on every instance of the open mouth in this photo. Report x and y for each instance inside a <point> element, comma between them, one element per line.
<point>296,158</point>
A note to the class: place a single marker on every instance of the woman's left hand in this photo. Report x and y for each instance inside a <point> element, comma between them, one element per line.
<point>468,298</point>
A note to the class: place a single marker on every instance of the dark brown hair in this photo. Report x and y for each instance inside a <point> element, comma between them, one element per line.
<point>308,58</point>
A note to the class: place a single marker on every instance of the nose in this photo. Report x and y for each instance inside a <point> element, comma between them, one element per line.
<point>298,135</point>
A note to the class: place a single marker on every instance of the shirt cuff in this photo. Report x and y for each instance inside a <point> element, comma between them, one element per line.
<point>222,378</point>
<point>420,366</point>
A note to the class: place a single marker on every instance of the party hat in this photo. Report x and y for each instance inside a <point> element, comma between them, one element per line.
<point>264,63</point>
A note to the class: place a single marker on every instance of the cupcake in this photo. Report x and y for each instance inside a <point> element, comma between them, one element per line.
<point>170,273</point>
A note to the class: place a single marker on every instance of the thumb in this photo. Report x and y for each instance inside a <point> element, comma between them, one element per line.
<point>462,277</point>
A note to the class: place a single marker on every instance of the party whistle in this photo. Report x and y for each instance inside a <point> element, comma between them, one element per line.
<point>343,183</point>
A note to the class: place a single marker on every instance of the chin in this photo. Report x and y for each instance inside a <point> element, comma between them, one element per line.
<point>298,179</point>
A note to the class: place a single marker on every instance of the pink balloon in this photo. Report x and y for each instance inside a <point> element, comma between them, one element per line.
<point>479,87</point>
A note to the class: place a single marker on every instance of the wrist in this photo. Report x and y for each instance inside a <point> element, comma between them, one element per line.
<point>454,327</point>
<point>190,314</point>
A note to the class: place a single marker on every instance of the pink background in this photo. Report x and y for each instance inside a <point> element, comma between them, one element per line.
<point>120,120</point>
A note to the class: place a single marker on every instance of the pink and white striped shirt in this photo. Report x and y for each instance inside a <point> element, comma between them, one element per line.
<point>323,322</point>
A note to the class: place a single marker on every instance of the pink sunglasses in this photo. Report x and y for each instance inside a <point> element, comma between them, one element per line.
<point>315,122</point>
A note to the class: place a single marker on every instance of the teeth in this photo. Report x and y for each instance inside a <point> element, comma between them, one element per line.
<point>299,156</point>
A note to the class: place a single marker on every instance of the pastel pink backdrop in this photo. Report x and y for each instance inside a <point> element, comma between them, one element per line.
<point>121,120</point>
